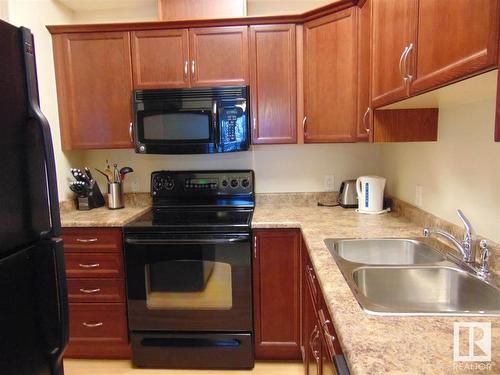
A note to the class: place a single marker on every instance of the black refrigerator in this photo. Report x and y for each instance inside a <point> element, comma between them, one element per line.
<point>33,295</point>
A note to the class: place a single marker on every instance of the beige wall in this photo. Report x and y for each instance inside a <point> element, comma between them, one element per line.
<point>275,7</point>
<point>4,10</point>
<point>285,168</point>
<point>461,170</point>
<point>35,14</point>
<point>148,12</point>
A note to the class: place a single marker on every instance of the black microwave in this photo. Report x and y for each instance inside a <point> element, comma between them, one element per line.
<point>191,121</point>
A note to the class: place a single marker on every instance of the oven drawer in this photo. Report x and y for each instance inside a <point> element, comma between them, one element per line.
<point>96,290</point>
<point>90,265</point>
<point>185,350</point>
<point>103,240</point>
<point>104,321</point>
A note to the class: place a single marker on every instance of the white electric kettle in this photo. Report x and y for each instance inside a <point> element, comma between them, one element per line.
<point>370,194</point>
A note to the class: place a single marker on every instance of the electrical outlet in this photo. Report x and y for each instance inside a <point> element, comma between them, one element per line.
<point>419,192</point>
<point>330,182</point>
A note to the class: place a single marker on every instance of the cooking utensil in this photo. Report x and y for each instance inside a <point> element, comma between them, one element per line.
<point>108,177</point>
<point>123,172</point>
<point>116,174</point>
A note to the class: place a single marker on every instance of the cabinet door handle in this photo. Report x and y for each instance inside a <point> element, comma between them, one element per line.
<point>193,67</point>
<point>365,116</point>
<point>93,325</point>
<point>130,134</point>
<point>312,343</point>
<point>90,291</point>
<point>408,76</point>
<point>401,59</point>
<point>93,265</point>
<point>324,323</point>
<point>186,69</point>
<point>255,247</point>
<point>304,125</point>
<point>254,124</point>
<point>87,240</point>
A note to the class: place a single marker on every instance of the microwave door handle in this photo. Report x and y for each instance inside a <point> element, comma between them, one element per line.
<point>215,125</point>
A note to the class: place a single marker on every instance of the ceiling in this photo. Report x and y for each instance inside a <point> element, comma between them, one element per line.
<point>90,5</point>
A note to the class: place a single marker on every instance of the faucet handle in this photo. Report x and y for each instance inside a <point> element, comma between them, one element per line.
<point>467,224</point>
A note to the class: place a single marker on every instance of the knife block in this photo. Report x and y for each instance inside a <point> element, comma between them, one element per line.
<point>94,199</point>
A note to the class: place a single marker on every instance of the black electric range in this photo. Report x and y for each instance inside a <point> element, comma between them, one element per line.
<point>188,261</point>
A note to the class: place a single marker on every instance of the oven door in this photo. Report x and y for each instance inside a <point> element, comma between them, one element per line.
<point>189,282</point>
<point>174,130</point>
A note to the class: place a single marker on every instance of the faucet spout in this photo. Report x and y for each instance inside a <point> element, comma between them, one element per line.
<point>459,246</point>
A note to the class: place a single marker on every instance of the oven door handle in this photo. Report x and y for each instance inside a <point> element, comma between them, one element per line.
<point>173,241</point>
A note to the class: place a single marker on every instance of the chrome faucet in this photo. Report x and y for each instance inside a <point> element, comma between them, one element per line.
<point>484,265</point>
<point>465,247</point>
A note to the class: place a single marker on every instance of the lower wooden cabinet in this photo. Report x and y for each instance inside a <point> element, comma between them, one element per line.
<point>276,286</point>
<point>96,293</point>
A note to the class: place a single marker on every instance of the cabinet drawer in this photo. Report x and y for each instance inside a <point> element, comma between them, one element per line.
<point>104,240</point>
<point>90,265</point>
<point>96,290</point>
<point>104,321</point>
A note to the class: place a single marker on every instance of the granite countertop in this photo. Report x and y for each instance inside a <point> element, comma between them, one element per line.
<point>102,217</point>
<point>374,344</point>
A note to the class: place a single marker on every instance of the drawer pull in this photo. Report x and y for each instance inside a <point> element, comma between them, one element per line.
<point>87,240</point>
<point>90,291</point>
<point>327,331</point>
<point>93,265</point>
<point>93,325</point>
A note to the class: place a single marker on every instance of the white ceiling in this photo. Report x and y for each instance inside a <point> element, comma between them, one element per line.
<point>90,5</point>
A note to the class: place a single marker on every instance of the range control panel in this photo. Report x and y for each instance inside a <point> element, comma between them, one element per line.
<point>201,183</point>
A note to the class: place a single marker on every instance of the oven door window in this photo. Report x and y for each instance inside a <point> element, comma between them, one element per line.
<point>189,284</point>
<point>192,126</point>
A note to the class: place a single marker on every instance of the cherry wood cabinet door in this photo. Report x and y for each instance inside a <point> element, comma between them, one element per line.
<point>455,39</point>
<point>273,84</point>
<point>364,123</point>
<point>330,78</point>
<point>276,286</point>
<point>393,30</point>
<point>94,88</point>
<point>219,56</point>
<point>160,58</point>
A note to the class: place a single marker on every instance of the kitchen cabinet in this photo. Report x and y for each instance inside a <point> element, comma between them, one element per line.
<point>276,286</point>
<point>330,78</point>
<point>219,56</point>
<point>455,40</point>
<point>497,122</point>
<point>393,32</point>
<point>96,293</point>
<point>160,58</point>
<point>273,86</point>
<point>94,88</point>
<point>364,129</point>
<point>187,58</point>
<point>319,339</point>
<point>420,45</point>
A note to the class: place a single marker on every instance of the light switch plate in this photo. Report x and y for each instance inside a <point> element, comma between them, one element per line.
<point>329,182</point>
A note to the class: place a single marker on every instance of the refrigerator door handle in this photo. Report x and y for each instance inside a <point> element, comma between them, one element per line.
<point>62,293</point>
<point>36,113</point>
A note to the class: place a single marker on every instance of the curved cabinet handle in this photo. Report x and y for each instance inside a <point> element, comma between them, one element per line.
<point>401,60</point>
<point>193,68</point>
<point>365,116</point>
<point>408,76</point>
<point>312,343</point>
<point>87,240</point>
<point>186,69</point>
<point>130,133</point>
<point>304,125</point>
<point>254,124</point>
<point>93,265</point>
<point>92,325</point>
<point>90,291</point>
<point>326,330</point>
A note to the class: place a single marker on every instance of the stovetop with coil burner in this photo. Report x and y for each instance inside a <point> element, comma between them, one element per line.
<point>198,201</point>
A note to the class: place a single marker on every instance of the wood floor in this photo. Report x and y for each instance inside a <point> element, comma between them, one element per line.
<point>112,367</point>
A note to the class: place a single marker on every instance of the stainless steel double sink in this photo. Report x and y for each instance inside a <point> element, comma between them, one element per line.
<point>409,277</point>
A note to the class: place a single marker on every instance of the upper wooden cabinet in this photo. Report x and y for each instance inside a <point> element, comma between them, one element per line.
<point>419,45</point>
<point>219,56</point>
<point>273,84</point>
<point>94,88</point>
<point>393,31</point>
<point>276,286</point>
<point>160,58</point>
<point>455,39</point>
<point>364,123</point>
<point>330,78</point>
<point>214,56</point>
